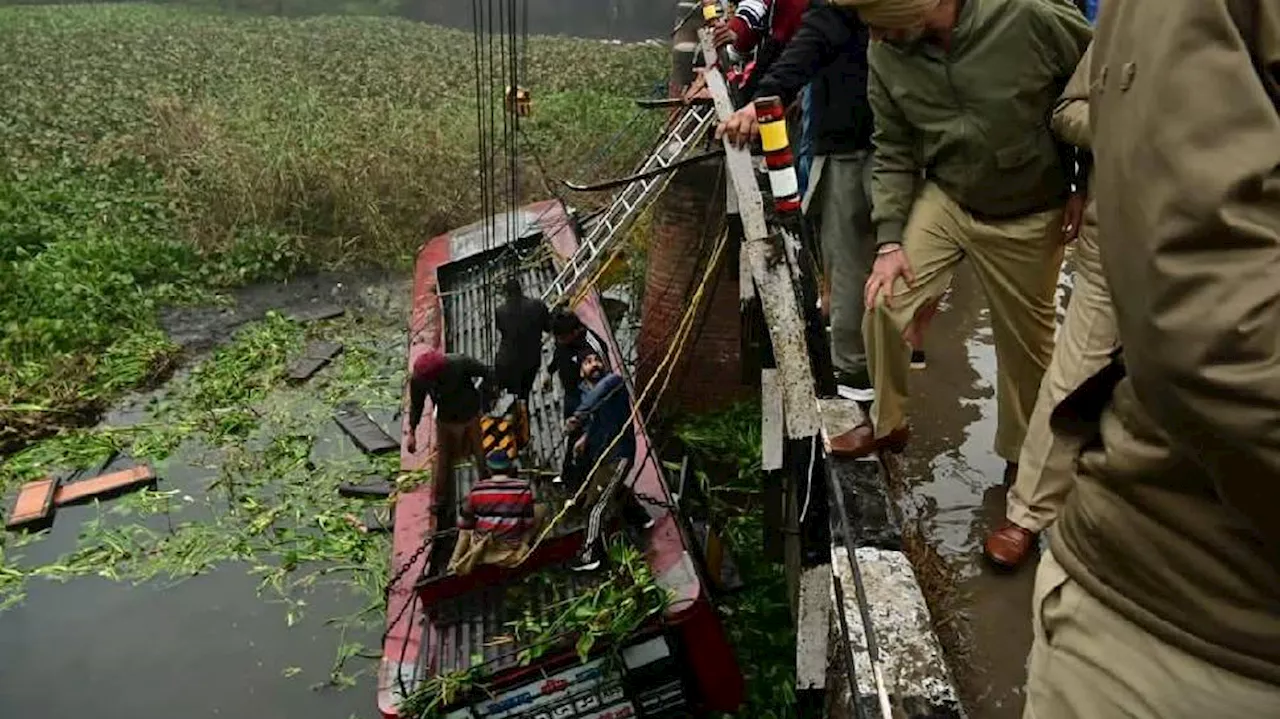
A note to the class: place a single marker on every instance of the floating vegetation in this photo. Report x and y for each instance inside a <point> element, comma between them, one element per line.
<point>155,153</point>
<point>242,477</point>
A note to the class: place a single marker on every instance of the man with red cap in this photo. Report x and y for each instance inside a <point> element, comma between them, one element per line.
<point>450,381</point>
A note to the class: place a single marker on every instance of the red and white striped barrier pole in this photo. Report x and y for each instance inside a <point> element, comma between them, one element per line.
<point>783,182</point>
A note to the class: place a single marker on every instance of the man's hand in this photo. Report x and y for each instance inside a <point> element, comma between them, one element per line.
<point>697,89</point>
<point>571,425</point>
<point>1072,216</point>
<point>741,126</point>
<point>580,447</point>
<point>411,444</point>
<point>891,263</point>
<point>723,34</point>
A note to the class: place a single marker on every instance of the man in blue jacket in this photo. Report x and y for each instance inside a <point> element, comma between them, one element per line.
<point>607,447</point>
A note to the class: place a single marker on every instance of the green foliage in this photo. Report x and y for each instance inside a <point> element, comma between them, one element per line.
<point>757,618</point>
<point>267,502</point>
<point>728,439</point>
<point>153,152</point>
<point>625,597</point>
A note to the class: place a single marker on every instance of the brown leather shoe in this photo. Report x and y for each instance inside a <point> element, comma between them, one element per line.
<point>860,441</point>
<point>1008,546</point>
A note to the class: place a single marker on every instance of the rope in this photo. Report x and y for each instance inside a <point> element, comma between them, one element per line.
<point>686,324</point>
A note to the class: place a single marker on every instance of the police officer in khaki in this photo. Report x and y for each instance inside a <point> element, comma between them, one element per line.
<point>1160,596</point>
<point>966,168</point>
<point>1046,466</point>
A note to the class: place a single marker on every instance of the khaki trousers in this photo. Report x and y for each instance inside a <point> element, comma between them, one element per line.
<point>1089,662</point>
<point>1016,261</point>
<point>456,441</point>
<point>1046,466</point>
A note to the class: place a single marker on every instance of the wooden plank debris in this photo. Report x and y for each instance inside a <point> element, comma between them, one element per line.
<point>104,486</point>
<point>316,312</point>
<point>33,509</point>
<point>315,356</point>
<point>367,434</point>
<point>373,490</point>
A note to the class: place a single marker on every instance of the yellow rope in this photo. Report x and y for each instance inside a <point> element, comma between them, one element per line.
<point>682,336</point>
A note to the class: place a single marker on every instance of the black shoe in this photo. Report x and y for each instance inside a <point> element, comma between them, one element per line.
<point>586,561</point>
<point>855,386</point>
<point>918,360</point>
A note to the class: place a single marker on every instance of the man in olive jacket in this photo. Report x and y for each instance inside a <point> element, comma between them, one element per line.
<point>1160,596</point>
<point>966,167</point>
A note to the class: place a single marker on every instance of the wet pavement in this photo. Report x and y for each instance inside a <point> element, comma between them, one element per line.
<point>954,493</point>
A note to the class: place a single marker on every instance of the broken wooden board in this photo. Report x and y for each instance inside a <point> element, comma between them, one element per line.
<point>314,356</point>
<point>316,312</point>
<point>371,490</point>
<point>33,509</point>
<point>104,486</point>
<point>360,427</point>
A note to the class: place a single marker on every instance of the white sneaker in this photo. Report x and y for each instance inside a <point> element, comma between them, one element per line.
<point>857,394</point>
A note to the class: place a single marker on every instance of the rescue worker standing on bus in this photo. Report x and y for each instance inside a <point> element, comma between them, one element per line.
<point>450,382</point>
<point>1160,595</point>
<point>965,167</point>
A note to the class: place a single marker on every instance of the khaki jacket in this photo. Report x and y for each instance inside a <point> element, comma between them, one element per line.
<point>1071,124</point>
<point>974,119</point>
<point>1175,518</point>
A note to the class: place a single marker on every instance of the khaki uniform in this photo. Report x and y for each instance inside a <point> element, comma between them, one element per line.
<point>1046,465</point>
<point>1170,539</point>
<point>971,122</point>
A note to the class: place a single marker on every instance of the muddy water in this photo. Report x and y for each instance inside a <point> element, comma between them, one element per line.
<point>956,493</point>
<point>210,645</point>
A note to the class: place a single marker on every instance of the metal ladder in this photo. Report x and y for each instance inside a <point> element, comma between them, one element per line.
<point>690,125</point>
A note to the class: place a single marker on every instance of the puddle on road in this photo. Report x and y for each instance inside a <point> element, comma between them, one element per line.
<point>219,643</point>
<point>955,494</point>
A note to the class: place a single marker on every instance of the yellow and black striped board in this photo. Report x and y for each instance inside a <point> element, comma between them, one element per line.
<point>508,432</point>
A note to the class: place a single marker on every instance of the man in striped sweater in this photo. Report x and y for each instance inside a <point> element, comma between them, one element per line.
<point>498,519</point>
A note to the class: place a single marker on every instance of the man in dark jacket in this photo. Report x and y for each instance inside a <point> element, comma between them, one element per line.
<point>521,321</point>
<point>450,382</point>
<point>829,53</point>
<point>573,341</point>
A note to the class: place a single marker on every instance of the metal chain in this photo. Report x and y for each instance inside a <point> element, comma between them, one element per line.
<point>395,579</point>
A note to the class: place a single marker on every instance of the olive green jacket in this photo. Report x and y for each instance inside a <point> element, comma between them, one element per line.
<point>1174,520</point>
<point>975,119</point>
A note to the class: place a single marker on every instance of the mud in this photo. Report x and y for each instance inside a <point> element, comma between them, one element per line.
<point>953,493</point>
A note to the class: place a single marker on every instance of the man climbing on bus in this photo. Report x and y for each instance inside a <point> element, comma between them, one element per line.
<point>521,321</point>
<point>607,448</point>
<point>450,382</point>
<point>573,341</point>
